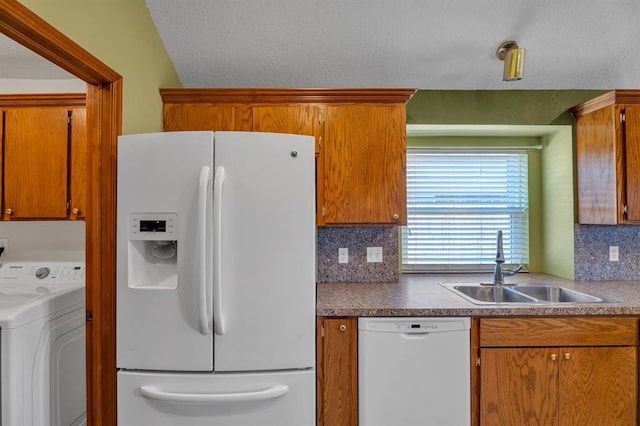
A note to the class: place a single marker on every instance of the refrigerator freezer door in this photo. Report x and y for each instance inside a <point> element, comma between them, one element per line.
<point>164,269</point>
<point>264,265</point>
<point>278,399</point>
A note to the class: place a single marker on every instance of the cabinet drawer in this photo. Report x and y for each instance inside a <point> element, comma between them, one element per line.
<point>582,331</point>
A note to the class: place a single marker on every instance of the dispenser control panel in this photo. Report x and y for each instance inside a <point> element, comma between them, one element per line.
<point>153,226</point>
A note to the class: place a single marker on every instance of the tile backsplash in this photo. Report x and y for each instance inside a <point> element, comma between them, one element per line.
<point>356,240</point>
<point>592,252</point>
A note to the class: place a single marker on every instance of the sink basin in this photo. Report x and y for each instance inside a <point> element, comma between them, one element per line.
<point>551,293</point>
<point>492,294</point>
<point>526,293</point>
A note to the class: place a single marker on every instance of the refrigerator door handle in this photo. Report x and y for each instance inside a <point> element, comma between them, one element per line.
<point>218,186</point>
<point>203,308</point>
<point>152,392</point>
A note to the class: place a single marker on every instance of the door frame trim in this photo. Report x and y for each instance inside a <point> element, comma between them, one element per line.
<point>104,124</point>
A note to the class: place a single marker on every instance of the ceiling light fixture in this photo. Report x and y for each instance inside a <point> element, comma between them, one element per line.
<point>513,57</point>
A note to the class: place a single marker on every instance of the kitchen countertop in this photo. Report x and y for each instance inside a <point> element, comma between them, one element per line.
<point>421,295</point>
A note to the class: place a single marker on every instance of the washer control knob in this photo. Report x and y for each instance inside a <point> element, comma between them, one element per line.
<point>42,272</point>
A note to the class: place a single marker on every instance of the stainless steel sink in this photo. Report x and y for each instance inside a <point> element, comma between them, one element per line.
<point>524,293</point>
<point>492,294</point>
<point>551,293</point>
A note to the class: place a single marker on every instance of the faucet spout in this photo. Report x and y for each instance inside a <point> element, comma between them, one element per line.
<point>498,271</point>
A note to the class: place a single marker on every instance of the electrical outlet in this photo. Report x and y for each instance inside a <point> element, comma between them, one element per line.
<point>614,254</point>
<point>343,255</point>
<point>374,254</point>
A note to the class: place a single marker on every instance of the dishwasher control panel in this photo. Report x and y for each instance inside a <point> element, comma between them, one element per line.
<point>417,325</point>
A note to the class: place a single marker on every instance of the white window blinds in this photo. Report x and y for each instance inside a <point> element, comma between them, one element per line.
<point>457,200</point>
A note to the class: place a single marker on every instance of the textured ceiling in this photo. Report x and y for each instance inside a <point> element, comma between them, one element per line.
<point>426,44</point>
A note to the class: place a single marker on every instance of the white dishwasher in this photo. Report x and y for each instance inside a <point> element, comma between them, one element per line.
<point>414,371</point>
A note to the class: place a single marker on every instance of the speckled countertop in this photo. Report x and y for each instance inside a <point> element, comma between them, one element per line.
<point>421,295</point>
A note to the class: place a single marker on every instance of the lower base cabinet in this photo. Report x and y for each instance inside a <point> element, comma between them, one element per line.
<point>337,375</point>
<point>562,371</point>
<point>558,371</point>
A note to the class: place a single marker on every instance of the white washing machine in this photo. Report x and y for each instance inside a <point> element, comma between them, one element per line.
<point>42,343</point>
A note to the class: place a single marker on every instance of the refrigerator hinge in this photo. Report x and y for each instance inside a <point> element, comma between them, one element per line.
<point>89,316</point>
<point>623,116</point>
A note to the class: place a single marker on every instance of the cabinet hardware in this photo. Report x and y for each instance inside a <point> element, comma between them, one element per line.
<point>554,357</point>
<point>567,356</point>
<point>343,327</point>
<point>76,211</point>
<point>323,212</point>
<point>625,208</point>
<point>623,117</point>
<point>478,361</point>
<point>322,331</point>
<point>9,212</point>
<point>396,216</point>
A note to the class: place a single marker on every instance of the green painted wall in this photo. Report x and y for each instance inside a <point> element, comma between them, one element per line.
<point>558,202</point>
<point>495,106</point>
<point>122,35</point>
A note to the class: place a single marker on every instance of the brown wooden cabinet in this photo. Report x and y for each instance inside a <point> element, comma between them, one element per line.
<point>44,146</point>
<point>608,158</point>
<point>337,375</point>
<point>360,140</point>
<point>558,371</point>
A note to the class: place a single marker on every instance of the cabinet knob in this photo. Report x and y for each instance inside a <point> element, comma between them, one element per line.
<point>396,216</point>
<point>76,211</point>
<point>554,357</point>
<point>343,327</point>
<point>567,356</point>
<point>9,212</point>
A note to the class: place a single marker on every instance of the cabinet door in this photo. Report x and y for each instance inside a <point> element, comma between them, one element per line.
<point>632,166</point>
<point>294,119</point>
<point>78,179</point>
<point>518,386</point>
<point>36,166</point>
<point>206,117</point>
<point>598,181</point>
<point>364,164</point>
<point>598,386</point>
<point>337,371</point>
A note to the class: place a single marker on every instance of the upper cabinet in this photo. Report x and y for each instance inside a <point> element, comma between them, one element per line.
<point>44,156</point>
<point>360,140</point>
<point>608,158</point>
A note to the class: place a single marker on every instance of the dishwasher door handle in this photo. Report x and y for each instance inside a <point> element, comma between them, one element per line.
<point>415,336</point>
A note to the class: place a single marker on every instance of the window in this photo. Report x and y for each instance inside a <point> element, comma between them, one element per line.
<point>457,200</point>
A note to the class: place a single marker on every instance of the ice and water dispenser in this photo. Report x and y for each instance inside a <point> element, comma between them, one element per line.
<point>153,250</point>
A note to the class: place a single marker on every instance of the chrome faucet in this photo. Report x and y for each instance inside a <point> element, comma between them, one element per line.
<point>498,271</point>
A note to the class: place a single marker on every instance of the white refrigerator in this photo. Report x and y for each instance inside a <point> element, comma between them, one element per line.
<point>216,279</point>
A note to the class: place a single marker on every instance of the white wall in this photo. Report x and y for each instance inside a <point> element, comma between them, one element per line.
<point>12,86</point>
<point>50,240</point>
